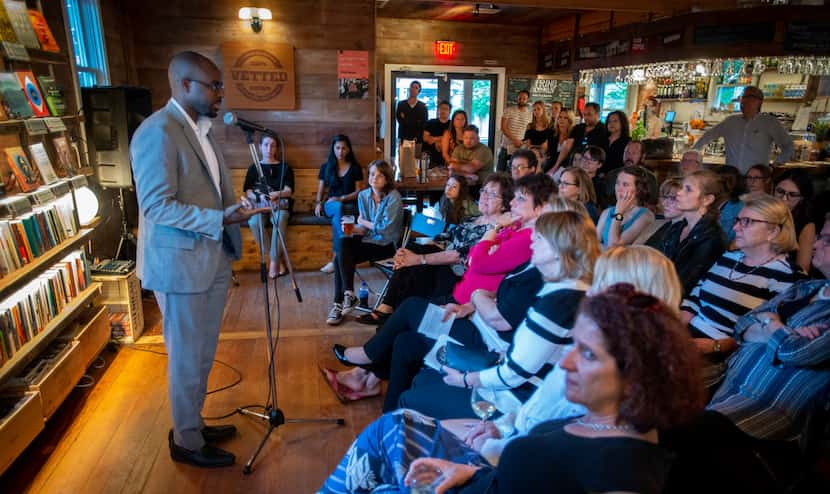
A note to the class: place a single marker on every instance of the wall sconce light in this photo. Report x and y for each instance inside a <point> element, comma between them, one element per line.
<point>256,15</point>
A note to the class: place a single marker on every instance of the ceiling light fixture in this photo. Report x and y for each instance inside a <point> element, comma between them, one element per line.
<point>256,15</point>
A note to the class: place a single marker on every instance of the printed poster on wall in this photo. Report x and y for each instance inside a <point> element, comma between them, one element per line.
<point>258,76</point>
<point>353,74</point>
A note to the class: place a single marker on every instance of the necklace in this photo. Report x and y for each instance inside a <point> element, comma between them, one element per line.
<point>741,261</point>
<point>603,427</point>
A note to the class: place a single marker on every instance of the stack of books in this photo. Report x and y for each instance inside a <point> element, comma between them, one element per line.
<point>29,236</point>
<point>26,313</point>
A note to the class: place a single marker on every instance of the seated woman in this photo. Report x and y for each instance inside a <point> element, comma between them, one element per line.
<point>377,229</point>
<point>696,241</point>
<point>590,161</point>
<point>498,253</point>
<point>772,386</point>
<point>576,184</point>
<point>743,279</point>
<point>341,178</point>
<point>427,271</point>
<point>454,135</point>
<point>538,131</point>
<point>795,188</point>
<point>759,179</point>
<point>622,224</point>
<point>564,251</point>
<point>732,184</point>
<point>667,211</point>
<point>632,370</point>
<point>456,204</point>
<point>280,178</point>
<point>618,138</point>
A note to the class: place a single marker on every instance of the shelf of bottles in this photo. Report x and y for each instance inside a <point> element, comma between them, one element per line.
<point>669,89</point>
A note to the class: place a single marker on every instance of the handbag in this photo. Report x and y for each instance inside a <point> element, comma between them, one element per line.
<point>465,359</point>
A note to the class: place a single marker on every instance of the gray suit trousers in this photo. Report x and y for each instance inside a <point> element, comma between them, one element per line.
<point>191,323</point>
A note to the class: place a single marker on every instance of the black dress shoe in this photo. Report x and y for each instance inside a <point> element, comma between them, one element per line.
<point>206,457</point>
<point>217,433</point>
<point>340,354</point>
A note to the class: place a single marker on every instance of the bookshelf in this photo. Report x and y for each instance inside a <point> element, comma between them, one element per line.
<point>29,351</point>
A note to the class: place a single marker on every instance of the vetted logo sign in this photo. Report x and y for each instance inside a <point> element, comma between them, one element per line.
<point>259,75</point>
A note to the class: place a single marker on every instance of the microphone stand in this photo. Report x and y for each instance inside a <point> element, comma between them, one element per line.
<point>272,413</point>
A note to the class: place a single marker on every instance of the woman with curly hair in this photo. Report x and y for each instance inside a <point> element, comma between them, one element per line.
<point>633,369</point>
<point>622,223</point>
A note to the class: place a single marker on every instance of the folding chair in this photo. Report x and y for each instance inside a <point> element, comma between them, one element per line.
<point>418,223</point>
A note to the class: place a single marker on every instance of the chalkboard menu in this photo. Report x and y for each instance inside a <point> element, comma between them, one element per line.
<point>547,90</point>
<point>810,37</point>
<point>734,33</point>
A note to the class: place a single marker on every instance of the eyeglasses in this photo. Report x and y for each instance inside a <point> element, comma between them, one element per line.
<point>669,197</point>
<point>745,222</point>
<point>519,167</point>
<point>214,86</point>
<point>573,184</point>
<point>487,193</point>
<point>785,194</point>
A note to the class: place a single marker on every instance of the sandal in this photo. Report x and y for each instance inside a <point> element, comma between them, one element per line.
<point>340,354</point>
<point>359,395</point>
<point>330,376</point>
<point>374,318</point>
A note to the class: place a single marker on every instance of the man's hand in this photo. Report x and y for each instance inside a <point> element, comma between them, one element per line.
<point>239,213</point>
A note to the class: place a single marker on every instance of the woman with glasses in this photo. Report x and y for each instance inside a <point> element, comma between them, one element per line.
<point>428,271</point>
<point>742,279</point>
<point>759,179</point>
<point>695,241</point>
<point>454,135</point>
<point>591,161</point>
<point>538,130</point>
<point>341,178</point>
<point>618,138</point>
<point>795,188</point>
<point>630,368</point>
<point>523,162</point>
<point>499,252</point>
<point>667,211</point>
<point>575,184</point>
<point>622,223</point>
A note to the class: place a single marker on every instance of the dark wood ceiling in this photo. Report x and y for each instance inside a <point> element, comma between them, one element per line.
<point>463,12</point>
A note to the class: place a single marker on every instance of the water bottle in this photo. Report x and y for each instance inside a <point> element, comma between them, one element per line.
<point>363,295</point>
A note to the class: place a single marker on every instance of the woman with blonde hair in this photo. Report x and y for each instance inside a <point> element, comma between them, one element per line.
<point>560,142</point>
<point>558,204</point>
<point>642,266</point>
<point>743,279</point>
<point>538,131</point>
<point>576,184</point>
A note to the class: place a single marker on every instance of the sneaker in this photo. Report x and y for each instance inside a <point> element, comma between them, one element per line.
<point>349,302</point>
<point>335,315</point>
<point>328,268</point>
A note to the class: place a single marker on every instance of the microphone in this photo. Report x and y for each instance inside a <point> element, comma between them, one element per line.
<point>230,118</point>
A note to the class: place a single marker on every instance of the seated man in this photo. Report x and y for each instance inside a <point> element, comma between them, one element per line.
<point>771,386</point>
<point>473,159</point>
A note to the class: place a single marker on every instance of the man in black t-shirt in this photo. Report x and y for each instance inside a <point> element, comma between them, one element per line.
<point>591,132</point>
<point>434,131</point>
<point>411,115</point>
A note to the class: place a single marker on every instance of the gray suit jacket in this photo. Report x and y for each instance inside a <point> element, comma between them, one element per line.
<point>181,240</point>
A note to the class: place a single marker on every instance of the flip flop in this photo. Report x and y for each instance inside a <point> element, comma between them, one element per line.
<point>359,395</point>
<point>338,389</point>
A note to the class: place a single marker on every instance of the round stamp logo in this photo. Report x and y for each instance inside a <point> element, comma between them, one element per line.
<point>259,75</point>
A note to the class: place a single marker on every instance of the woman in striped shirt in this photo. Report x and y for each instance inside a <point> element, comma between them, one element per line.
<point>741,280</point>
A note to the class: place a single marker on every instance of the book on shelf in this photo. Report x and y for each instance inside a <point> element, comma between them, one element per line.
<point>24,239</point>
<point>14,101</point>
<point>27,312</point>
<point>54,95</point>
<point>27,177</point>
<point>44,165</point>
<point>32,92</point>
<point>6,30</point>
<point>18,14</point>
<point>44,34</point>
<point>67,159</point>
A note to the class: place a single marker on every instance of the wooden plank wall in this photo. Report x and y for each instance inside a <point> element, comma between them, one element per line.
<point>157,29</point>
<point>409,41</point>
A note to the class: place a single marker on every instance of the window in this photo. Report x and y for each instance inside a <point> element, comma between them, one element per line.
<point>88,42</point>
<point>610,96</point>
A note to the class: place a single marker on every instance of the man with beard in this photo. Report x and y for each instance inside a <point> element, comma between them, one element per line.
<point>513,126</point>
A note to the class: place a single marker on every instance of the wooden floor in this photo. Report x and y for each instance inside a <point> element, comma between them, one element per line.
<point>112,437</point>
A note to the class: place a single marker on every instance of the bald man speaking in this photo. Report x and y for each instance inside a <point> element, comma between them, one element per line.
<point>188,234</point>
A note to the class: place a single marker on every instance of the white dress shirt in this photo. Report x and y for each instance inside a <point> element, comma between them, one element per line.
<point>748,141</point>
<point>201,128</point>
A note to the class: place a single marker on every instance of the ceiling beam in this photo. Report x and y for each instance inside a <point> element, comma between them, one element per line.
<point>661,6</point>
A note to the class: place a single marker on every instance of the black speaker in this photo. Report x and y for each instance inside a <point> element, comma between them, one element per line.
<point>112,114</point>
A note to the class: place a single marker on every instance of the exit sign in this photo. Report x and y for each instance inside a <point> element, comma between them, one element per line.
<point>445,49</point>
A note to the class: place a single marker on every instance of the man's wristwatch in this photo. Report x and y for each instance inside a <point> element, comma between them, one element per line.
<point>619,217</point>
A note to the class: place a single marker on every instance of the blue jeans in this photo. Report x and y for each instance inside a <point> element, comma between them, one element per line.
<point>335,210</point>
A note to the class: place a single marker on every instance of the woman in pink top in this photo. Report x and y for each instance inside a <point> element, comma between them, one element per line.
<point>499,252</point>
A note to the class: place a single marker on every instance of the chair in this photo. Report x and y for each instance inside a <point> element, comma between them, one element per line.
<point>418,223</point>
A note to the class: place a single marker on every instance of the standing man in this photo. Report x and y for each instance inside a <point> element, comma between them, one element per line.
<point>514,122</point>
<point>749,135</point>
<point>472,159</point>
<point>434,132</point>
<point>411,115</point>
<point>188,235</point>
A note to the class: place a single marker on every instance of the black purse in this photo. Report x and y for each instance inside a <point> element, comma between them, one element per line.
<point>465,359</point>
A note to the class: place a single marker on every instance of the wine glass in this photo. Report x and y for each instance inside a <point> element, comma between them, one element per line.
<point>425,479</point>
<point>482,407</point>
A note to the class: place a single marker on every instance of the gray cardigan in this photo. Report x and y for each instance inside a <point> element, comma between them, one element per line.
<point>387,216</point>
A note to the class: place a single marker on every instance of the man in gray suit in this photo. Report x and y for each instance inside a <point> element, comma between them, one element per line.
<point>187,237</point>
